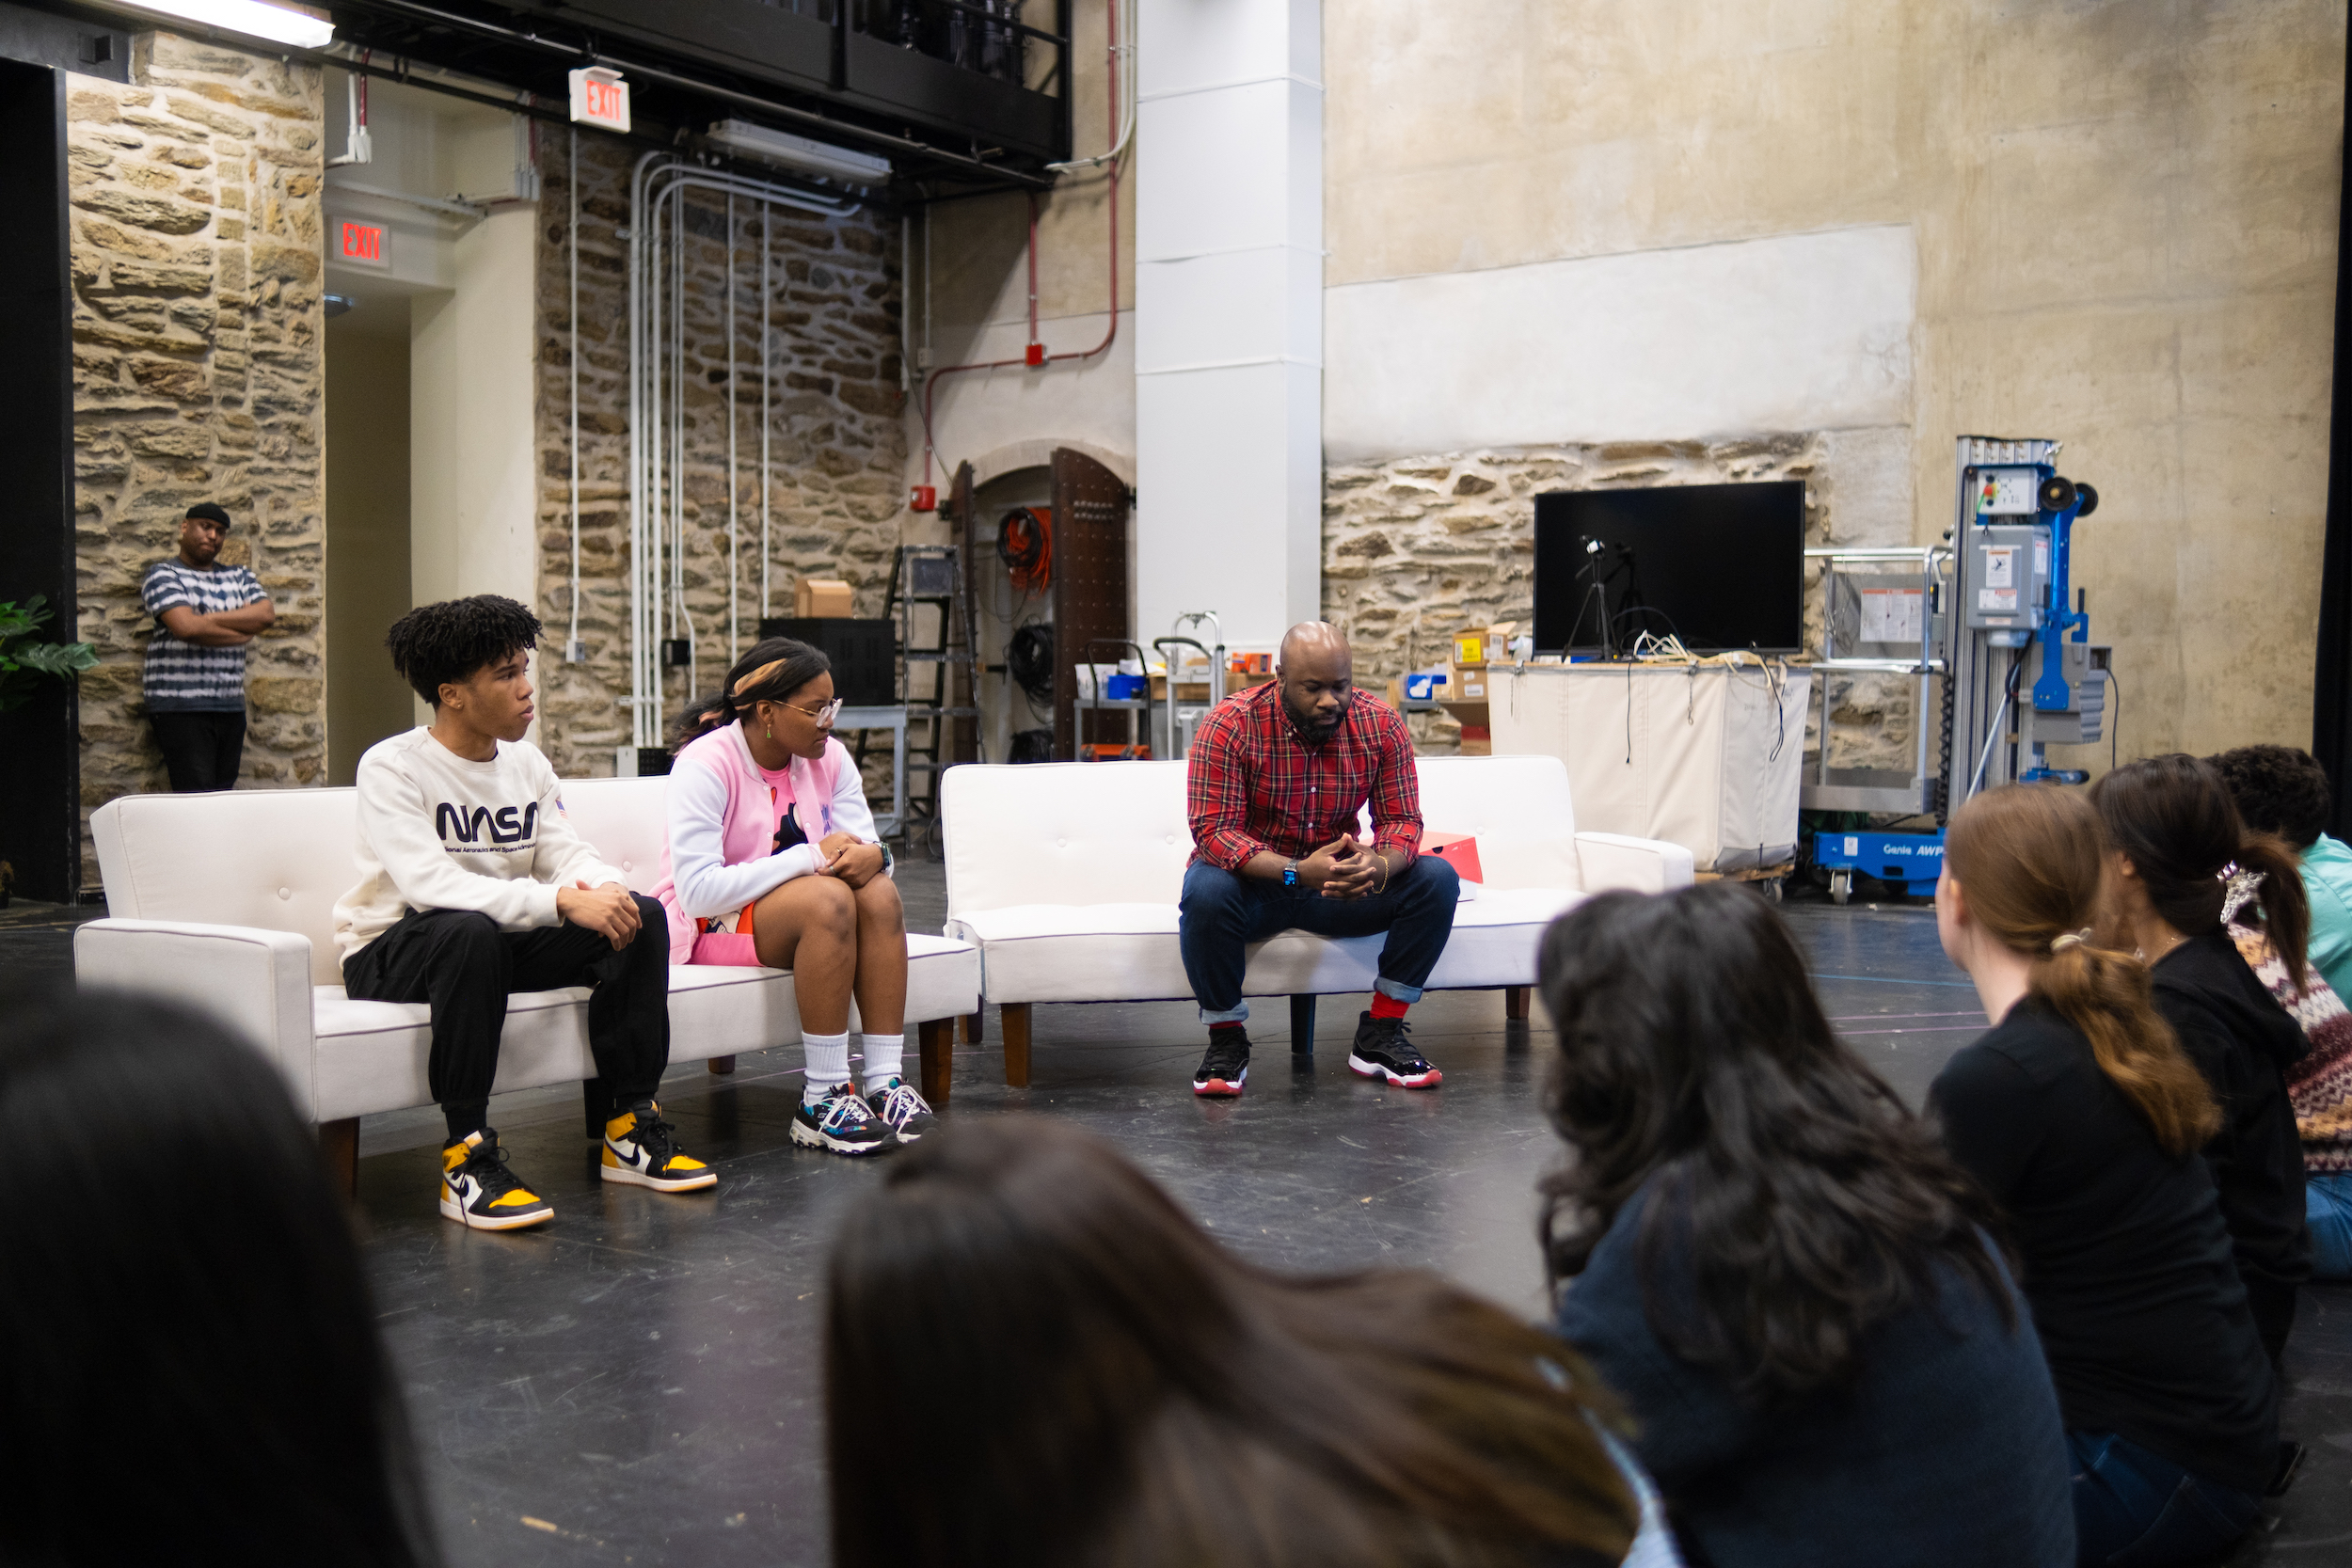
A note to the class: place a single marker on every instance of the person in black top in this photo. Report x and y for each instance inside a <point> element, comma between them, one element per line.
<point>2173,832</point>
<point>2082,1116</point>
<point>1777,1266</point>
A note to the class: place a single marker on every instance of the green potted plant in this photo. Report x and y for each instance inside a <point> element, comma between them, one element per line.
<point>25,661</point>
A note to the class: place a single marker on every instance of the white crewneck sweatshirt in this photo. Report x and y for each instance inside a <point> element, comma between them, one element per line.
<point>440,833</point>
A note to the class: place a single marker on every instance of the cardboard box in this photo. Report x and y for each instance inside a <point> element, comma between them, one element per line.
<point>821,599</point>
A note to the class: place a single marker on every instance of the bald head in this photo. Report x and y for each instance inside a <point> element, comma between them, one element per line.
<point>1313,640</point>
<point>1317,676</point>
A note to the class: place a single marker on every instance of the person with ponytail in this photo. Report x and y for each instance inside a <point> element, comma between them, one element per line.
<point>773,860</point>
<point>2083,1118</point>
<point>2173,836</point>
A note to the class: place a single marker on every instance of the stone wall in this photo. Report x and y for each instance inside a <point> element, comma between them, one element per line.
<point>197,376</point>
<point>836,448</point>
<point>1418,548</point>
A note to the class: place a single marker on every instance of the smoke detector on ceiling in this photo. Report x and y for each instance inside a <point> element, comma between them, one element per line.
<point>799,153</point>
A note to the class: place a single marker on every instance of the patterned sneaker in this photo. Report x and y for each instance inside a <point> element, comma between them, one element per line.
<point>843,1122</point>
<point>906,1112</point>
<point>1227,1065</point>
<point>638,1150</point>
<point>480,1193</point>
<point>1381,1050</point>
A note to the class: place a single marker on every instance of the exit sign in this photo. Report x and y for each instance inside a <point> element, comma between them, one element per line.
<point>362,244</point>
<point>600,97</point>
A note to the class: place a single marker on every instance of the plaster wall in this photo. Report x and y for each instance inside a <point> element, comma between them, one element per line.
<point>471,367</point>
<point>2124,223</point>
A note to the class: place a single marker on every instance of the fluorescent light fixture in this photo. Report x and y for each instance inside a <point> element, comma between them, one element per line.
<point>786,150</point>
<point>249,17</point>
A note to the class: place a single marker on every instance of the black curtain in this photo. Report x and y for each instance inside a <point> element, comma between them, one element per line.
<point>40,755</point>
<point>2331,680</point>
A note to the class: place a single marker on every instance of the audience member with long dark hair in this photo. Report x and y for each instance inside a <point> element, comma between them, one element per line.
<point>2173,833</point>
<point>2285,792</point>
<point>1776,1265</point>
<point>1034,1357</point>
<point>2083,1118</point>
<point>772,860</point>
<point>189,1355</point>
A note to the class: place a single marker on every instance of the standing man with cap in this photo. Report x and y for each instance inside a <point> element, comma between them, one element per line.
<point>205,613</point>
<point>1275,778</point>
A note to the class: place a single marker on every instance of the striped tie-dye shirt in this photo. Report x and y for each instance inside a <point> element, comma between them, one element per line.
<point>183,677</point>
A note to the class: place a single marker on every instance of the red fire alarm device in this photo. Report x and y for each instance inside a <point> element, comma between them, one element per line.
<point>362,244</point>
<point>1037,355</point>
<point>923,497</point>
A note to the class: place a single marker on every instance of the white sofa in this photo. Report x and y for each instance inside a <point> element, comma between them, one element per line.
<point>1065,876</point>
<point>226,902</point>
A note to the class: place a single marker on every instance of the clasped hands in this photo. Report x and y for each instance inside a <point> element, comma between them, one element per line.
<point>853,861</point>
<point>1345,869</point>
<point>608,911</point>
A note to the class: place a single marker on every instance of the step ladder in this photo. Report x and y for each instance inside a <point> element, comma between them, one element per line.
<point>933,574</point>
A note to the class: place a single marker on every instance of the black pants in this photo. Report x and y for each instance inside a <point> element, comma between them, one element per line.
<point>201,749</point>
<point>467,968</point>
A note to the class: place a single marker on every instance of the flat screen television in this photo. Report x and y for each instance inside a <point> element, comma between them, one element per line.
<point>1721,566</point>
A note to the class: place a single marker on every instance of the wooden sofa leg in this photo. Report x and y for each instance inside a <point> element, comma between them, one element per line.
<point>935,1040</point>
<point>339,1147</point>
<point>721,1066</point>
<point>1014,1016</point>
<point>972,1027</point>
<point>1302,1025</point>
<point>1514,1002</point>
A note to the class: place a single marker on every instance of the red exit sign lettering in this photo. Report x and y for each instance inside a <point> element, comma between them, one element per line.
<point>600,97</point>
<point>362,244</point>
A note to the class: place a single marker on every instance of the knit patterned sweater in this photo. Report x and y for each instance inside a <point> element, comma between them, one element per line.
<point>2319,1086</point>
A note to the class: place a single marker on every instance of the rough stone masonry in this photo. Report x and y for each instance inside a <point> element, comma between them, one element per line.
<point>197,376</point>
<point>1419,547</point>
<point>835,441</point>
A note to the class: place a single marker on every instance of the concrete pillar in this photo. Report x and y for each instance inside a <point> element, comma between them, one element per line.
<point>1229,315</point>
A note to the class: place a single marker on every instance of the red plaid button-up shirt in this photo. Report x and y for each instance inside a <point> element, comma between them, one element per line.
<point>1253,785</point>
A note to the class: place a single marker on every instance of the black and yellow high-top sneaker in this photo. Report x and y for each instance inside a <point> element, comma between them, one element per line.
<point>638,1150</point>
<point>478,1191</point>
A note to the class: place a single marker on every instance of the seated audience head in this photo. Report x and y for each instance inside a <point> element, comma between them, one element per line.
<point>2023,867</point>
<point>188,1354</point>
<point>780,691</point>
<point>2173,833</point>
<point>1316,671</point>
<point>1033,1355</point>
<point>2278,790</point>
<point>471,658</point>
<point>1695,1061</point>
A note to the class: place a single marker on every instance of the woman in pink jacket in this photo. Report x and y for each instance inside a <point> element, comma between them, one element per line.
<point>773,861</point>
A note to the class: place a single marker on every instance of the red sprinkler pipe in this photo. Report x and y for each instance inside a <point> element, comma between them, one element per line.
<point>1035,355</point>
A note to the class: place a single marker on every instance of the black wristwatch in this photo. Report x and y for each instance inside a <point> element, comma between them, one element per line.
<point>1290,875</point>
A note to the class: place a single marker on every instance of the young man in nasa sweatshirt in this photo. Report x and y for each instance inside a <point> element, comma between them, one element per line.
<point>472,886</point>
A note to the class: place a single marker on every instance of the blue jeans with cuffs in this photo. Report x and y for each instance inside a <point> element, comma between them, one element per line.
<point>1222,913</point>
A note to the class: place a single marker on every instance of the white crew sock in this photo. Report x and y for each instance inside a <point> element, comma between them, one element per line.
<point>884,1054</point>
<point>828,1058</point>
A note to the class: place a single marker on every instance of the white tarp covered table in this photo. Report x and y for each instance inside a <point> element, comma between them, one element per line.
<point>1707,755</point>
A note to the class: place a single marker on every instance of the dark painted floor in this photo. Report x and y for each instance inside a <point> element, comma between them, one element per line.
<point>639,1381</point>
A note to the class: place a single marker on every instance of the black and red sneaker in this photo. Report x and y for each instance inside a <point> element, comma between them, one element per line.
<point>1381,1050</point>
<point>1227,1065</point>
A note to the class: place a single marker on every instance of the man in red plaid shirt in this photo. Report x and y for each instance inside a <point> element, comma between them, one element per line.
<point>1276,778</point>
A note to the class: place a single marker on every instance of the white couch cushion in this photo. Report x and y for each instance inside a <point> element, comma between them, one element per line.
<point>1129,952</point>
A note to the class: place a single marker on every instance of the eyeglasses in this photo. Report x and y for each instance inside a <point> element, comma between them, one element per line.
<point>823,713</point>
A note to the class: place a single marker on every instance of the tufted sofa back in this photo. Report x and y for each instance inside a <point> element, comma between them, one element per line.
<point>278,859</point>
<point>1115,832</point>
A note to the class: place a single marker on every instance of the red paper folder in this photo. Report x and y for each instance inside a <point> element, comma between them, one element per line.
<point>1459,850</point>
